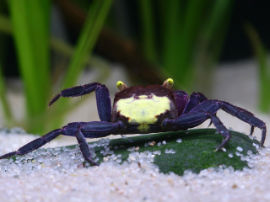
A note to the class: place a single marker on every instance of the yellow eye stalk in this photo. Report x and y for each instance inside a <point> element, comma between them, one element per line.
<point>168,83</point>
<point>121,85</point>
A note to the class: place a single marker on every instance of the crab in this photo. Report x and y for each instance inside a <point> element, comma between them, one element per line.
<point>143,109</point>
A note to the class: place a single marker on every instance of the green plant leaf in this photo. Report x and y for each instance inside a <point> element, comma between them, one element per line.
<point>4,100</point>
<point>210,43</point>
<point>30,25</point>
<point>148,30</point>
<point>93,24</point>
<point>184,24</point>
<point>53,115</point>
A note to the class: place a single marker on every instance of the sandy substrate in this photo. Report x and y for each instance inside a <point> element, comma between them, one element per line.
<point>60,175</point>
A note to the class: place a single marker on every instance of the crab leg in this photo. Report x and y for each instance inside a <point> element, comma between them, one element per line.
<point>34,144</point>
<point>245,116</point>
<point>221,130</point>
<point>102,97</point>
<point>78,129</point>
<point>185,121</point>
<point>212,106</point>
<point>181,99</point>
<point>84,148</point>
<point>93,129</point>
<point>194,100</point>
<point>208,109</point>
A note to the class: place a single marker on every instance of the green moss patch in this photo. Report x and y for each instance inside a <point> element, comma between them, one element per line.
<point>187,150</point>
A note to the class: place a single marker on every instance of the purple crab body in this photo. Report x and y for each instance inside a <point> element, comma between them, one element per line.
<point>150,109</point>
<point>144,108</point>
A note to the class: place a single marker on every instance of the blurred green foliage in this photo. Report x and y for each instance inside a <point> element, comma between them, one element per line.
<point>191,34</point>
<point>29,21</point>
<point>264,68</point>
<point>182,38</point>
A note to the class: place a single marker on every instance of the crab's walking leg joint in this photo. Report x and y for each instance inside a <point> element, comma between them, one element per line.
<point>185,121</point>
<point>85,148</point>
<point>222,130</point>
<point>181,98</point>
<point>194,100</point>
<point>102,97</point>
<point>246,117</point>
<point>80,130</point>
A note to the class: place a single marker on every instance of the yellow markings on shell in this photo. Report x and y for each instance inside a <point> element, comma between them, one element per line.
<point>143,110</point>
<point>144,127</point>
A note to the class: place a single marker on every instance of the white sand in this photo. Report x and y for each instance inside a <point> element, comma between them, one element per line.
<point>60,176</point>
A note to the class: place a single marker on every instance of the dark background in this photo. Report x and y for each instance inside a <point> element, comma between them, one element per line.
<point>236,45</point>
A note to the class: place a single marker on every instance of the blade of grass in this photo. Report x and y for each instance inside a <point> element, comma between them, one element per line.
<point>60,46</point>
<point>183,68</point>
<point>171,28</point>
<point>93,24</point>
<point>4,101</point>
<point>210,43</point>
<point>3,95</point>
<point>218,15</point>
<point>66,50</point>
<point>30,24</point>
<point>148,30</point>
<point>5,24</point>
<point>180,33</point>
<point>181,44</point>
<point>264,72</point>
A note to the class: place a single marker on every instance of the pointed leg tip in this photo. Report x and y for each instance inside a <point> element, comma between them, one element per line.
<point>54,99</point>
<point>95,164</point>
<point>217,149</point>
<point>91,162</point>
<point>220,147</point>
<point>262,144</point>
<point>251,130</point>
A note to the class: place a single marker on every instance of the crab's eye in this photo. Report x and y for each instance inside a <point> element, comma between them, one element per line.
<point>121,85</point>
<point>168,83</point>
